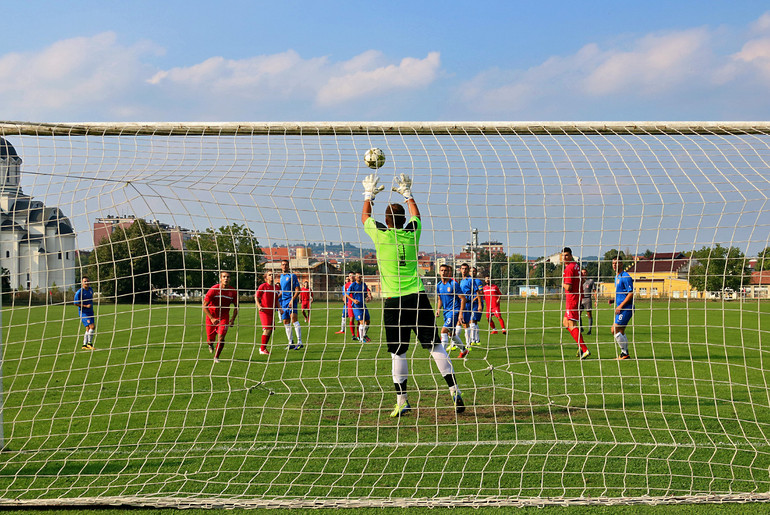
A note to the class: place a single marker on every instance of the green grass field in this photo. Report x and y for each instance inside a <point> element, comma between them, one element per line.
<point>149,414</point>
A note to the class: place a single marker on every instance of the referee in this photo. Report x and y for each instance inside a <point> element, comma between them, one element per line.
<point>407,307</point>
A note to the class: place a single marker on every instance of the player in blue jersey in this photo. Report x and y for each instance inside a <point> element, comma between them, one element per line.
<point>290,290</point>
<point>452,302</point>
<point>477,309</point>
<point>84,300</point>
<point>624,306</point>
<point>468,288</point>
<point>358,294</point>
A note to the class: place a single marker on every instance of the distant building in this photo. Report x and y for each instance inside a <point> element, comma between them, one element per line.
<point>323,276</point>
<point>659,275</point>
<point>104,227</point>
<point>759,286</point>
<point>37,243</point>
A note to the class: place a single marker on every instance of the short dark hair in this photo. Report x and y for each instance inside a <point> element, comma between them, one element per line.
<point>567,250</point>
<point>465,264</point>
<point>285,261</point>
<point>396,215</point>
<point>84,277</point>
<point>445,266</point>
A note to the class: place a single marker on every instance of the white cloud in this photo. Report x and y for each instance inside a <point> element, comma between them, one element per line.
<point>660,69</point>
<point>287,75</point>
<point>72,75</point>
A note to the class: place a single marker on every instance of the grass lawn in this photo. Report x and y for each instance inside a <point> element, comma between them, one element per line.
<point>149,414</point>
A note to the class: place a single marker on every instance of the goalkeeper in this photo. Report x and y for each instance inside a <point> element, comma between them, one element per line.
<point>406,307</point>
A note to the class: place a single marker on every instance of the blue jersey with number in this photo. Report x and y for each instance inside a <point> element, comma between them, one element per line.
<point>478,286</point>
<point>449,293</point>
<point>624,285</point>
<point>85,296</point>
<point>358,292</point>
<point>289,283</point>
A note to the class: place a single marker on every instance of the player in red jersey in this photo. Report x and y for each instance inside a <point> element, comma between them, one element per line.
<point>216,308</point>
<point>347,309</point>
<point>572,281</point>
<point>267,300</point>
<point>492,300</point>
<point>305,299</point>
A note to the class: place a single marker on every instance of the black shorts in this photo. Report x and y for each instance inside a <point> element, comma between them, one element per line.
<point>402,315</point>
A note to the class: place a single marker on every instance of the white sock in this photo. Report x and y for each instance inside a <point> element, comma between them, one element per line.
<point>287,327</point>
<point>468,337</point>
<point>456,337</point>
<point>621,339</point>
<point>445,340</point>
<point>400,367</point>
<point>85,338</point>
<point>298,331</point>
<point>91,334</point>
<point>444,364</point>
<point>342,324</point>
<point>475,332</point>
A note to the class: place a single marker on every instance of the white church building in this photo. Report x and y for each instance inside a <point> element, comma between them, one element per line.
<point>37,243</point>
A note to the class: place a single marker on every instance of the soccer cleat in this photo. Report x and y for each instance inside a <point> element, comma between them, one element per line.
<point>264,351</point>
<point>585,354</point>
<point>211,348</point>
<point>298,346</point>
<point>291,345</point>
<point>452,346</point>
<point>339,332</point>
<point>216,360</point>
<point>624,355</point>
<point>458,402</point>
<point>494,331</point>
<point>401,409</point>
<point>503,331</point>
<point>356,339</point>
<point>463,353</point>
<point>367,339</point>
<point>88,346</point>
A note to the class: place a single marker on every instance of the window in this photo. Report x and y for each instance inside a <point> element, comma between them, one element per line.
<point>66,255</point>
<point>7,253</point>
<point>654,292</point>
<point>642,291</point>
<point>59,255</point>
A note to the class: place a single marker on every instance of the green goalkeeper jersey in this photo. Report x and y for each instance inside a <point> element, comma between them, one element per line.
<point>397,256</point>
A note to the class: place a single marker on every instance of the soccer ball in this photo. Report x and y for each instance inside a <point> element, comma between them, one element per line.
<point>374,158</point>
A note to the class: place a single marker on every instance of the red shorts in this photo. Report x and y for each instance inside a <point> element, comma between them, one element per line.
<point>494,311</point>
<point>219,328</point>
<point>350,312</point>
<point>305,305</point>
<point>572,314</point>
<point>266,317</point>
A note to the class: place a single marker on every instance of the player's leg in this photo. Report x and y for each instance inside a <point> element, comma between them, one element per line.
<point>619,332</point>
<point>367,322</point>
<point>499,317</point>
<point>491,322</point>
<point>297,327</point>
<point>286,319</point>
<point>397,347</point>
<point>211,334</point>
<point>267,330</point>
<point>571,323</point>
<point>92,332</point>
<point>590,316</point>
<point>221,329</point>
<point>344,319</point>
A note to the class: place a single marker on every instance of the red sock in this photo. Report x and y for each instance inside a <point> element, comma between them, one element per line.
<point>220,346</point>
<point>264,340</point>
<point>502,324</point>
<point>491,323</point>
<point>352,328</point>
<point>575,332</point>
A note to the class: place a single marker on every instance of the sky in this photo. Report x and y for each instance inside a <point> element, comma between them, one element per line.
<point>398,60</point>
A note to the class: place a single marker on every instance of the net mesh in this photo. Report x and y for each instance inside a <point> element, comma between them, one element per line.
<point>151,213</point>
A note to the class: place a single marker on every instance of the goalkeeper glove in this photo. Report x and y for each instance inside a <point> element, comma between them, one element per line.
<point>403,186</point>
<point>371,189</point>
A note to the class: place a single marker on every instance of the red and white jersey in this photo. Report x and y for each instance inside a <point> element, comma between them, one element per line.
<point>573,278</point>
<point>492,296</point>
<point>218,300</point>
<point>267,295</point>
<point>305,295</point>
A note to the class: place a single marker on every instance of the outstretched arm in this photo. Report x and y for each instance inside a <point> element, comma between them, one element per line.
<point>371,189</point>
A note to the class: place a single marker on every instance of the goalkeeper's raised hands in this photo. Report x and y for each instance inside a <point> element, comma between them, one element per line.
<point>371,188</point>
<point>403,186</point>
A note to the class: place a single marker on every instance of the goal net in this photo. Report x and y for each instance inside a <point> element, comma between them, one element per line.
<point>152,213</point>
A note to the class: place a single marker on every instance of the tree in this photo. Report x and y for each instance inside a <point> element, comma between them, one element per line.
<point>717,268</point>
<point>232,248</point>
<point>763,259</point>
<point>606,273</point>
<point>357,267</point>
<point>135,261</point>
<point>5,286</point>
<point>545,274</point>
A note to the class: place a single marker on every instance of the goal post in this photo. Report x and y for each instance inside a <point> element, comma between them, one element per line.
<point>152,213</point>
